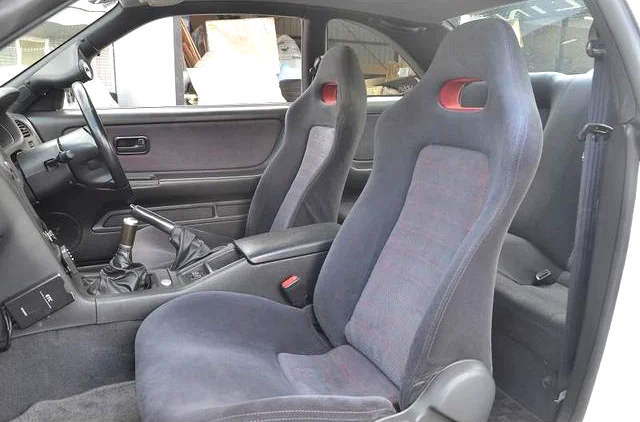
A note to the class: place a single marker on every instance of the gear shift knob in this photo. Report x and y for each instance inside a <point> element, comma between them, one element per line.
<point>121,274</point>
<point>128,231</point>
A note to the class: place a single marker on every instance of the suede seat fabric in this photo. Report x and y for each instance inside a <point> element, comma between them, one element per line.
<point>192,365</point>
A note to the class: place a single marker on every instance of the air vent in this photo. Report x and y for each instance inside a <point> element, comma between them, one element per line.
<point>26,132</point>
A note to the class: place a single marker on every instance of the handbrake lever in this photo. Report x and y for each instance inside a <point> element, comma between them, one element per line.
<point>150,217</point>
<point>189,248</point>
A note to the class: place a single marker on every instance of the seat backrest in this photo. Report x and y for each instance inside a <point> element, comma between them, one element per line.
<point>409,279</point>
<point>543,229</point>
<point>303,183</point>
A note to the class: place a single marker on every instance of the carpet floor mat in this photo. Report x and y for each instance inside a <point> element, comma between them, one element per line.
<point>110,403</point>
<point>117,403</point>
<point>505,409</point>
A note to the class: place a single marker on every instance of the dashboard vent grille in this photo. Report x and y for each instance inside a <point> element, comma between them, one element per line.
<point>26,132</point>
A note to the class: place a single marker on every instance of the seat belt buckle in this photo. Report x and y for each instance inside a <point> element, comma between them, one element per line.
<point>600,130</point>
<point>295,290</point>
<point>544,278</point>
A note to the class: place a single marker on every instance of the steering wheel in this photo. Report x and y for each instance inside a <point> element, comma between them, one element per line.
<point>96,128</point>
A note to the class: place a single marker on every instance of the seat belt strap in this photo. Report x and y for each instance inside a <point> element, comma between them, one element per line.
<point>594,134</point>
<point>314,69</point>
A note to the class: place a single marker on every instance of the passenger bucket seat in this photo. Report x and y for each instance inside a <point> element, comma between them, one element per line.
<point>303,184</point>
<point>402,309</point>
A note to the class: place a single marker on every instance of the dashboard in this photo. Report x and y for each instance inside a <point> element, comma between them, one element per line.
<point>17,134</point>
<point>28,253</point>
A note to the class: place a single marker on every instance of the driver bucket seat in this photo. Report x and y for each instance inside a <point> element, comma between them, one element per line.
<point>303,184</point>
<point>401,318</point>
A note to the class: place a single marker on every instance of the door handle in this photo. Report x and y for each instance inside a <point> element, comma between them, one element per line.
<point>130,145</point>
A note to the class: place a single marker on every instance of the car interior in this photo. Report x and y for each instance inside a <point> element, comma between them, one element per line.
<point>397,223</point>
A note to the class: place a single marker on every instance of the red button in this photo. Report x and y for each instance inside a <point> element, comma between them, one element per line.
<point>290,281</point>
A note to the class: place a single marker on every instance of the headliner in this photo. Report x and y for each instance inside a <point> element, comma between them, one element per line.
<point>423,11</point>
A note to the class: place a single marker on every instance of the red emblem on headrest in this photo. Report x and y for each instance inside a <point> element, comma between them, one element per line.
<point>330,93</point>
<point>451,92</point>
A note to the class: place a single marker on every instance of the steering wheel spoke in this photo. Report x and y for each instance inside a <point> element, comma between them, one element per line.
<point>108,153</point>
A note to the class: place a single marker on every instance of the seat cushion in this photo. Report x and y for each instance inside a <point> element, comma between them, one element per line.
<point>343,371</point>
<point>534,316</point>
<point>225,355</point>
<point>153,248</point>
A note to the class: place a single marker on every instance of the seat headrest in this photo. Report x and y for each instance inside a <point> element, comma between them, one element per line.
<point>339,72</point>
<point>483,50</point>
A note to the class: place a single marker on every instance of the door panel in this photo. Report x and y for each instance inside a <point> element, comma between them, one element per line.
<point>200,145</point>
<point>201,170</point>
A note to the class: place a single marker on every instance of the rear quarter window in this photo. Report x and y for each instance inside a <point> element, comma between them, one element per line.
<point>552,33</point>
<point>385,71</point>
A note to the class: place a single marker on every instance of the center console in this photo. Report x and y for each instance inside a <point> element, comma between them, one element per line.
<point>253,265</point>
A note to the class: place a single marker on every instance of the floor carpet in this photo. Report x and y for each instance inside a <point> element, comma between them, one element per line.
<point>505,409</point>
<point>111,403</point>
<point>57,364</point>
<point>117,403</point>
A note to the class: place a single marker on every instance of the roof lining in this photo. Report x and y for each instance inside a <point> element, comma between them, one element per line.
<point>418,11</point>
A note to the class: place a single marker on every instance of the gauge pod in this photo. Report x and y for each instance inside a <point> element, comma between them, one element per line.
<point>65,68</point>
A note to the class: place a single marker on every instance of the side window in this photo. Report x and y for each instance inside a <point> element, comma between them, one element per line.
<point>553,33</point>
<point>385,71</point>
<point>201,60</point>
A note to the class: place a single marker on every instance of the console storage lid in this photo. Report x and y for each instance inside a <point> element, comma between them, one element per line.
<point>290,243</point>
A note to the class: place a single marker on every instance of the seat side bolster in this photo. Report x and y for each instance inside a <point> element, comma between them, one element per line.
<point>462,392</point>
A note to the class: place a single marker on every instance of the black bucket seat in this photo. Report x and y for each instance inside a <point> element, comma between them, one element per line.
<point>402,307</point>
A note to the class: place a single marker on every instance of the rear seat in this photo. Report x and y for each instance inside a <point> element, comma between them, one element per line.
<point>528,320</point>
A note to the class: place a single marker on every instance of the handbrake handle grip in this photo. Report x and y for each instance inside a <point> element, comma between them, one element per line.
<point>150,217</point>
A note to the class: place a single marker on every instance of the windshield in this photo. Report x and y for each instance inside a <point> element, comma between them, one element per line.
<point>50,34</point>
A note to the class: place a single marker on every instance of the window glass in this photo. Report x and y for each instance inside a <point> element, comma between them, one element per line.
<point>201,60</point>
<point>385,71</point>
<point>553,33</point>
<point>50,34</point>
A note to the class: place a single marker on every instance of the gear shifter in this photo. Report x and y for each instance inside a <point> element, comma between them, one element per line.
<point>121,274</point>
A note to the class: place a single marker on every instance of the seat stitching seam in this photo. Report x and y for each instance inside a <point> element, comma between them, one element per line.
<point>305,418</point>
<point>346,412</point>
